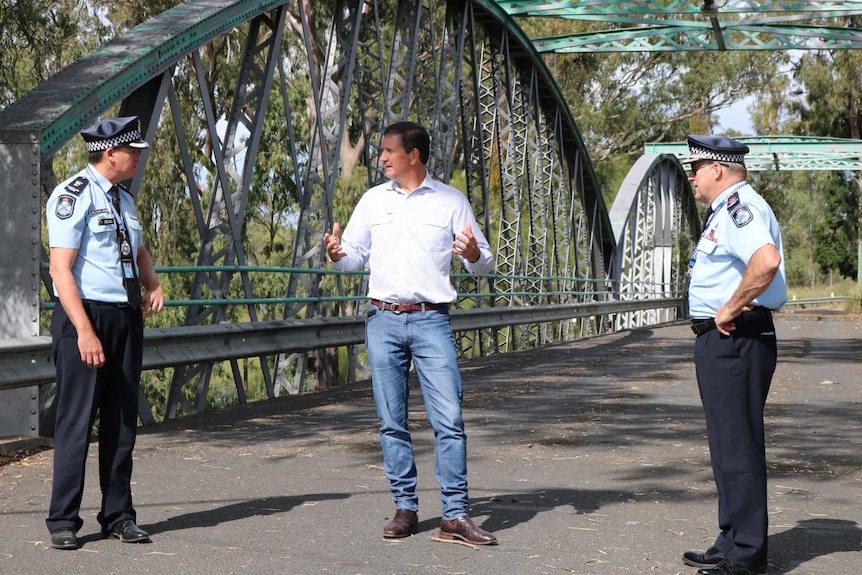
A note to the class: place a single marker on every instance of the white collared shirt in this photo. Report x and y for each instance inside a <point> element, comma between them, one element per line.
<point>406,240</point>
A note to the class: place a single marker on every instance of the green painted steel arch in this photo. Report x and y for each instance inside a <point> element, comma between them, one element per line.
<point>464,68</point>
<point>75,97</point>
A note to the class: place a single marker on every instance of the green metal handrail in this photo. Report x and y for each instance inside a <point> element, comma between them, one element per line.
<point>659,290</point>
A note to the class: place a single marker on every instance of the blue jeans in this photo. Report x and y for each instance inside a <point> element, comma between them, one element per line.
<point>393,340</point>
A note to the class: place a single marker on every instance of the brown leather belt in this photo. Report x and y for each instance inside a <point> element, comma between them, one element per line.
<point>701,326</point>
<point>407,307</point>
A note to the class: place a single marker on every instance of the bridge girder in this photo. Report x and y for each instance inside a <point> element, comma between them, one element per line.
<point>679,25</point>
<point>787,153</point>
<point>465,69</point>
<point>656,226</point>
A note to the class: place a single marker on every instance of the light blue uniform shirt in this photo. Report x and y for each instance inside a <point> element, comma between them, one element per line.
<point>742,223</point>
<point>406,240</point>
<point>79,216</point>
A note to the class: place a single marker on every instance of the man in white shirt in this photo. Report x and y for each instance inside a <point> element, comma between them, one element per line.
<point>406,230</point>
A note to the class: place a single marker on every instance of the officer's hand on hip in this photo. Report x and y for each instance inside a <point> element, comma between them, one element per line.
<point>724,318</point>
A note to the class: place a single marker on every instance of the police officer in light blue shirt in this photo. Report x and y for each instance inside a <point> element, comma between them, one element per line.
<point>736,282</point>
<point>82,218</point>
<point>98,264</point>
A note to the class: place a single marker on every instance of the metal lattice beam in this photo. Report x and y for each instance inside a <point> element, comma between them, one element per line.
<point>772,153</point>
<point>656,224</point>
<point>235,151</point>
<point>465,69</point>
<point>595,8</point>
<point>653,26</point>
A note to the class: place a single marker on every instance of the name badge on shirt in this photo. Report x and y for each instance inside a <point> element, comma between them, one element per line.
<point>128,272</point>
<point>708,241</point>
<point>706,244</point>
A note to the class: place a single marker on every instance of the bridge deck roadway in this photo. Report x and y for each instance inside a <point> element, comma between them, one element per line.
<point>586,458</point>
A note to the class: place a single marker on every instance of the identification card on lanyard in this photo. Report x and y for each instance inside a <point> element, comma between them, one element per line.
<point>122,232</point>
<point>707,236</point>
<point>126,260</point>
<point>124,245</point>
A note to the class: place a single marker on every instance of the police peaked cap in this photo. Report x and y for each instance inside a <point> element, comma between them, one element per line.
<point>715,148</point>
<point>113,133</point>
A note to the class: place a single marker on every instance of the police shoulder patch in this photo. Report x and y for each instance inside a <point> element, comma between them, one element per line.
<point>65,207</point>
<point>77,185</point>
<point>741,216</point>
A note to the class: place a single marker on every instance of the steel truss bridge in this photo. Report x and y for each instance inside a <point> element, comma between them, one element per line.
<point>567,266</point>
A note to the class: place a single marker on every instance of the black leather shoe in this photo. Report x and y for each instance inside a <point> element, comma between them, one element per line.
<point>127,532</point>
<point>402,525</point>
<point>728,567</point>
<point>709,558</point>
<point>464,529</point>
<point>64,539</point>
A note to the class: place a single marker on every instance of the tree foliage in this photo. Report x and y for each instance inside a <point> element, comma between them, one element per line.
<point>38,38</point>
<point>831,83</point>
<point>620,101</point>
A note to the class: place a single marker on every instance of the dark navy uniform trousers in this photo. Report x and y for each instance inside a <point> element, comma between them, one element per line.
<point>112,391</point>
<point>734,374</point>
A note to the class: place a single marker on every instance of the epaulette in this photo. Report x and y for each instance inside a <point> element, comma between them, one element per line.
<point>732,200</point>
<point>77,185</point>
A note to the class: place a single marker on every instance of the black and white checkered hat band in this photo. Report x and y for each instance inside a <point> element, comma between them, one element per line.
<point>115,142</point>
<point>706,154</point>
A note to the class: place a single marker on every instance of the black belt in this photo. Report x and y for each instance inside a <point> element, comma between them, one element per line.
<point>407,307</point>
<point>701,326</point>
<point>117,304</point>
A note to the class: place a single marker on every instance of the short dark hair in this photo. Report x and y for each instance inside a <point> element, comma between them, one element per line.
<point>412,136</point>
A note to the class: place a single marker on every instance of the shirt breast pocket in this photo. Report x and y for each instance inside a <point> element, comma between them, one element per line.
<point>383,231</point>
<point>135,232</point>
<point>433,231</point>
<point>134,224</point>
<point>381,218</point>
<point>101,226</point>
<point>706,246</point>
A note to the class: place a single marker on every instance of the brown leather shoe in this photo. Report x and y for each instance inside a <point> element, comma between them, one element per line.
<point>464,529</point>
<point>402,525</point>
